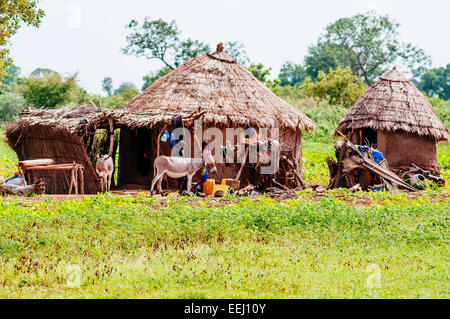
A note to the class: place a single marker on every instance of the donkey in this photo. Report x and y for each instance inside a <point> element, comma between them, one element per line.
<point>177,167</point>
<point>105,169</point>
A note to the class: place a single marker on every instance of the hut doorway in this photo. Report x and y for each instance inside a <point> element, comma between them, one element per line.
<point>368,137</point>
<point>136,156</point>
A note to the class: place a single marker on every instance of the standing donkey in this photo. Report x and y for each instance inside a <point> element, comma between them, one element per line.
<point>105,169</point>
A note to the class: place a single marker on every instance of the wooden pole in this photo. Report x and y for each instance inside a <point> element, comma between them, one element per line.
<point>158,142</point>
<point>75,171</point>
<point>81,180</point>
<point>111,137</point>
<point>243,163</point>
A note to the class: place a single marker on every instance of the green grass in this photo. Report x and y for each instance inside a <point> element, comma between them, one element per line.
<point>134,247</point>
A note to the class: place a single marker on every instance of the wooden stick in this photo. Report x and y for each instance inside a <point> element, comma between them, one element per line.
<point>81,180</point>
<point>71,181</point>
<point>111,136</point>
<point>75,171</point>
<point>159,140</point>
<point>243,163</point>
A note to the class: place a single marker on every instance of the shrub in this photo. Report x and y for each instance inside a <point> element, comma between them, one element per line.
<point>11,104</point>
<point>339,87</point>
<point>51,91</point>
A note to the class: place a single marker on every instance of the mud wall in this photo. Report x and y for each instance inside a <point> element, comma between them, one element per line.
<point>402,149</point>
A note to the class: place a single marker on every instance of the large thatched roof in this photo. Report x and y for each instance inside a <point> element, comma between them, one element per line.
<point>217,85</point>
<point>394,103</point>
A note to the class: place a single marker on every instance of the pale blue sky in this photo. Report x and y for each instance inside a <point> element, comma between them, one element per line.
<point>273,31</point>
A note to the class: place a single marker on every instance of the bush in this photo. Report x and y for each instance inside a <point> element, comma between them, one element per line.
<point>51,91</point>
<point>11,104</point>
<point>338,87</point>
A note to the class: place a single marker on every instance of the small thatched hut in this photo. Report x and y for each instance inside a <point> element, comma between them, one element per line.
<point>396,117</point>
<point>64,135</point>
<point>225,93</point>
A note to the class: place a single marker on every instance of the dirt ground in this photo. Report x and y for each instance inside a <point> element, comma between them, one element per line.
<point>134,190</point>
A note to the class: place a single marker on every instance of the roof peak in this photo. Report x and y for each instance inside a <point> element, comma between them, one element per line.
<point>219,47</point>
<point>394,75</point>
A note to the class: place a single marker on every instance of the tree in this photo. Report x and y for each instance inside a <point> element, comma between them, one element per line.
<point>236,50</point>
<point>107,85</point>
<point>292,74</point>
<point>13,14</point>
<point>339,87</point>
<point>158,39</point>
<point>436,82</point>
<point>259,72</point>
<point>153,76</point>
<point>42,72</point>
<point>13,75</point>
<point>189,49</point>
<point>124,86</point>
<point>11,104</point>
<point>368,43</point>
<point>51,91</point>
<point>154,39</point>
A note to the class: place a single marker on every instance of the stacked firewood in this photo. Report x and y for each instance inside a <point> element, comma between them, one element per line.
<point>360,167</point>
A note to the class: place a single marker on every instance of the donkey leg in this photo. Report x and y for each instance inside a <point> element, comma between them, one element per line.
<point>189,182</point>
<point>158,177</point>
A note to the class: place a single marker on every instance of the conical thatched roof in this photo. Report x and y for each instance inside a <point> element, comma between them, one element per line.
<point>394,103</point>
<point>216,84</point>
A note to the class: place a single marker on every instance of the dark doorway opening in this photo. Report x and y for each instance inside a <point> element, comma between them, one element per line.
<point>369,137</point>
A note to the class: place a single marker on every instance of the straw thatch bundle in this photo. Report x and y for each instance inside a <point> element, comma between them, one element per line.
<point>391,104</point>
<point>59,134</point>
<point>217,85</point>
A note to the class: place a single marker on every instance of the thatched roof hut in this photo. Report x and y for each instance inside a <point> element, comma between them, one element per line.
<point>213,85</point>
<point>394,115</point>
<point>227,95</point>
<point>60,134</point>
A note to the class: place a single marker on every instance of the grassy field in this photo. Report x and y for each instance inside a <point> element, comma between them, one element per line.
<point>342,245</point>
<point>135,247</point>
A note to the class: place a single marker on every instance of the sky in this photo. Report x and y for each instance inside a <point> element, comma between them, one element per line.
<point>86,36</point>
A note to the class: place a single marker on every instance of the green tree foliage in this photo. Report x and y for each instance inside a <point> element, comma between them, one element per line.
<point>260,72</point>
<point>125,86</point>
<point>153,39</point>
<point>13,14</point>
<point>436,82</point>
<point>42,72</point>
<point>368,43</point>
<point>11,104</point>
<point>153,76</point>
<point>292,74</point>
<point>339,87</point>
<point>159,39</point>
<point>236,50</point>
<point>107,85</point>
<point>12,78</point>
<point>51,91</point>
<point>189,49</point>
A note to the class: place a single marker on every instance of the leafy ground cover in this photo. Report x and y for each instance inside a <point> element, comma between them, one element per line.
<point>124,246</point>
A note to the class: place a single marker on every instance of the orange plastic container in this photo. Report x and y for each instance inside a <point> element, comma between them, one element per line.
<point>208,187</point>
<point>220,187</point>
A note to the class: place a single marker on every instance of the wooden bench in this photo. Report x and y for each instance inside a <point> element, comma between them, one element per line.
<point>76,170</point>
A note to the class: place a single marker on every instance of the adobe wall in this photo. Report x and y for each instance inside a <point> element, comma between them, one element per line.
<point>402,149</point>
